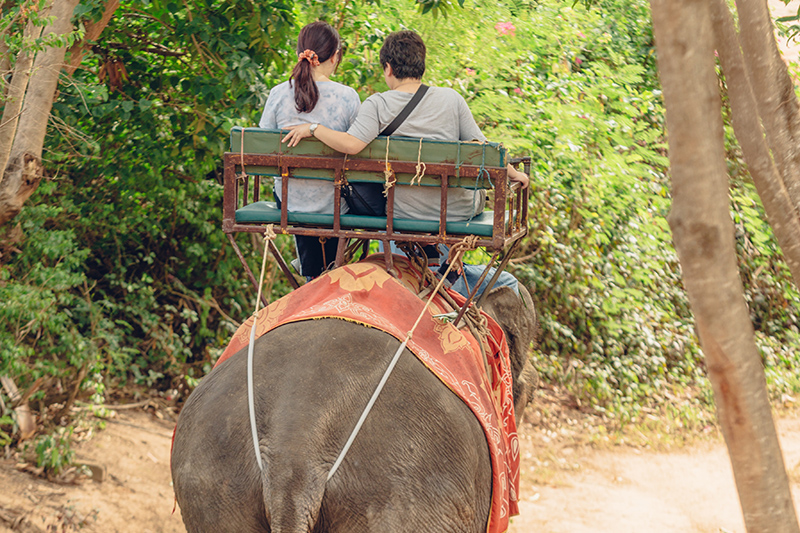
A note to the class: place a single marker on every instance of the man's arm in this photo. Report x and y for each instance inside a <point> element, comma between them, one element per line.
<point>338,140</point>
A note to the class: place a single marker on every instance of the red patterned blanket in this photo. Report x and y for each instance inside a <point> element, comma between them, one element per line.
<point>366,294</point>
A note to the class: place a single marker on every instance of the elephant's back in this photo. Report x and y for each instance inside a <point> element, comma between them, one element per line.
<point>420,459</point>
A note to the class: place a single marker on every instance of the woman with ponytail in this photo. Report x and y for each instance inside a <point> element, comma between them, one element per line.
<point>310,97</point>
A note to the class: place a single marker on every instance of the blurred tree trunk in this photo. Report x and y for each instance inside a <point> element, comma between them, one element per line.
<point>93,31</point>
<point>22,168</point>
<point>704,238</point>
<point>16,94</point>
<point>782,212</point>
<point>774,92</point>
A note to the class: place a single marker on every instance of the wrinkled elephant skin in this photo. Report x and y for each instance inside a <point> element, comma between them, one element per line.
<point>419,463</point>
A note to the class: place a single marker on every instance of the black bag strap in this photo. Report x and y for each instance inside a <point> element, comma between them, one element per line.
<point>399,119</point>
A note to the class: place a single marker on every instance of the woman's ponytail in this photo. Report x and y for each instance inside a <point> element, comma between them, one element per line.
<point>316,44</point>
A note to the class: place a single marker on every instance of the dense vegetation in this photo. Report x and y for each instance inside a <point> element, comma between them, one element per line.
<point>122,274</point>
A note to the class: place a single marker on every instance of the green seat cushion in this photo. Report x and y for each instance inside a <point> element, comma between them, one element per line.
<point>268,213</point>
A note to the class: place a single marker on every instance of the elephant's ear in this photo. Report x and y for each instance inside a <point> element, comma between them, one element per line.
<point>517,316</point>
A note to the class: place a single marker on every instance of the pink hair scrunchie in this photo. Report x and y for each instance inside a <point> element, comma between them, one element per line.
<point>311,56</point>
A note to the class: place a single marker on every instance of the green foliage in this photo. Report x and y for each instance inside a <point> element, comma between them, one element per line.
<point>124,274</point>
<point>53,452</point>
<point>6,429</point>
<point>16,16</point>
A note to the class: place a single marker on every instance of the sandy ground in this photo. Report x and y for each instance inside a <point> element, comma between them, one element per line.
<point>565,488</point>
<point>134,496</point>
<point>627,490</point>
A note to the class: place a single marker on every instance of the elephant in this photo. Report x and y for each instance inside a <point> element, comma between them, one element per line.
<point>419,463</point>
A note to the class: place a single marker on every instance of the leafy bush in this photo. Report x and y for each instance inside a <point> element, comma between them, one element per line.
<point>124,275</point>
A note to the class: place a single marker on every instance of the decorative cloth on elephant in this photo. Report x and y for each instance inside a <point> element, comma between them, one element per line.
<point>366,294</point>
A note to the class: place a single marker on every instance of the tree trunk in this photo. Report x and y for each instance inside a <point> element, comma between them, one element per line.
<point>704,238</point>
<point>93,31</point>
<point>5,70</point>
<point>16,95</point>
<point>23,173</point>
<point>783,217</point>
<point>774,91</point>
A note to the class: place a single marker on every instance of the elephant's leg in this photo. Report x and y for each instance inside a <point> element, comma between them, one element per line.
<point>215,475</point>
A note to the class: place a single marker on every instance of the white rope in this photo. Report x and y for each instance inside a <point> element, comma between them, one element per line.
<point>269,234</point>
<point>421,167</point>
<point>391,366</point>
<point>371,402</point>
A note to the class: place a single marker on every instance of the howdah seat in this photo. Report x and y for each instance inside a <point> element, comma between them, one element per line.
<point>258,154</point>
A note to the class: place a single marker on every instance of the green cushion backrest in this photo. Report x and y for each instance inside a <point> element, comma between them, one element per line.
<point>264,141</point>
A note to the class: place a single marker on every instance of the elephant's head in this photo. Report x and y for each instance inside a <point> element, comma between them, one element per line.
<point>517,316</point>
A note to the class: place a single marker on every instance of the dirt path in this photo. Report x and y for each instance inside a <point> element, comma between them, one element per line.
<point>565,489</point>
<point>627,490</point>
<point>135,496</point>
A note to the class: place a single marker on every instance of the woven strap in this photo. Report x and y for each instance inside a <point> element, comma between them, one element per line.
<point>399,119</point>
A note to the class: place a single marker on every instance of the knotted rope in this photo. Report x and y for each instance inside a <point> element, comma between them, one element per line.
<point>388,173</point>
<point>243,175</point>
<point>421,167</point>
<point>269,235</point>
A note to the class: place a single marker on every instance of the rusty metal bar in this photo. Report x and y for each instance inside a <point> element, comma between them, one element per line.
<point>340,248</point>
<point>367,165</point>
<point>229,195</point>
<point>285,175</point>
<point>337,200</point>
<point>475,289</point>
<point>500,268</point>
<point>443,207</point>
<point>499,224</point>
<point>246,268</point>
<point>284,267</point>
<point>378,235</point>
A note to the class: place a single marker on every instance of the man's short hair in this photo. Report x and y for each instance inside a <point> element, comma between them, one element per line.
<point>405,51</point>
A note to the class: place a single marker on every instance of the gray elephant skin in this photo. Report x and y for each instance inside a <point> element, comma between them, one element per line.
<point>419,463</point>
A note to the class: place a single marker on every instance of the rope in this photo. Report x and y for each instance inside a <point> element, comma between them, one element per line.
<point>243,174</point>
<point>269,235</point>
<point>481,171</point>
<point>420,165</point>
<point>393,362</point>
<point>322,241</point>
<point>458,161</point>
<point>388,173</point>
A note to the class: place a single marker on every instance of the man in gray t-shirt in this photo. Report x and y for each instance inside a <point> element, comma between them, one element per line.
<point>442,114</point>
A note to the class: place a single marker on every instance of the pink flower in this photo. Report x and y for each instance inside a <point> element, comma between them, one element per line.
<point>470,71</point>
<point>578,61</point>
<point>581,35</point>
<point>505,28</point>
<point>518,90</point>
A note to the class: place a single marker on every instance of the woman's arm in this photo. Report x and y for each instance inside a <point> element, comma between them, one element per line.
<point>516,175</point>
<point>338,140</point>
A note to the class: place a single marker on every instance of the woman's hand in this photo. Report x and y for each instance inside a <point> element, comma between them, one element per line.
<point>516,175</point>
<point>297,134</point>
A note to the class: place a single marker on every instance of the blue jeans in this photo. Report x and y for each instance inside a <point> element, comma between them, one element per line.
<point>472,273</point>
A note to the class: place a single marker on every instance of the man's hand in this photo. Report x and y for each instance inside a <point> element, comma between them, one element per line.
<point>297,134</point>
<point>516,175</point>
